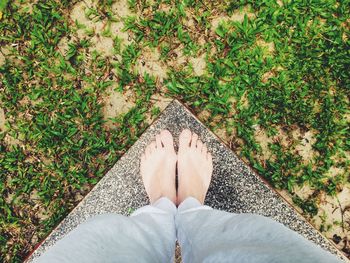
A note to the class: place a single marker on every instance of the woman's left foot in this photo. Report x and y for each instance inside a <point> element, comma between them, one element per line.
<point>158,168</point>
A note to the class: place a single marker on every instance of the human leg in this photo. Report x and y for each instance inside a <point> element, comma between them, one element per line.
<point>147,236</point>
<point>208,235</point>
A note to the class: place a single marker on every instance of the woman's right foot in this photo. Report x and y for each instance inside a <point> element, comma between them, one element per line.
<point>195,167</point>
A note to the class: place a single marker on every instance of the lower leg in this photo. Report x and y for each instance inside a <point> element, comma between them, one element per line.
<point>149,235</point>
<point>208,235</point>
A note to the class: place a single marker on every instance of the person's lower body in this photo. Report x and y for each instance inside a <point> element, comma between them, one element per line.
<point>209,235</point>
<point>148,235</point>
<point>204,235</point>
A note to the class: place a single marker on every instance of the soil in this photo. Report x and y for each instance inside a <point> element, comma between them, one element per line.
<point>304,148</point>
<point>2,120</point>
<point>2,59</point>
<point>263,140</point>
<point>150,63</point>
<point>268,47</point>
<point>334,216</point>
<point>115,104</point>
<point>199,64</point>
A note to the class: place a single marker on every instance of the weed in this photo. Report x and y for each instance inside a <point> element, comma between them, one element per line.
<point>284,69</point>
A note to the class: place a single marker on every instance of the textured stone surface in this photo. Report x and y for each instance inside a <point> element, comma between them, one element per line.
<point>235,187</point>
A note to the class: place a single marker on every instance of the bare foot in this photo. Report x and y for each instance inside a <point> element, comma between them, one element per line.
<point>195,167</point>
<point>158,168</point>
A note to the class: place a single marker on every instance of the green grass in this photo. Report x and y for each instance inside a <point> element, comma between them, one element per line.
<point>60,144</point>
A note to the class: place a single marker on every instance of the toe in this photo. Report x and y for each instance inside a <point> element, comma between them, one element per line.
<point>185,139</point>
<point>194,140</point>
<point>167,139</point>
<point>204,149</point>
<point>143,158</point>
<point>209,157</point>
<point>148,150</point>
<point>199,145</point>
<point>153,146</point>
<point>158,141</point>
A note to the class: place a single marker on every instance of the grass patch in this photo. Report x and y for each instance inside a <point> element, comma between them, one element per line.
<point>277,69</point>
